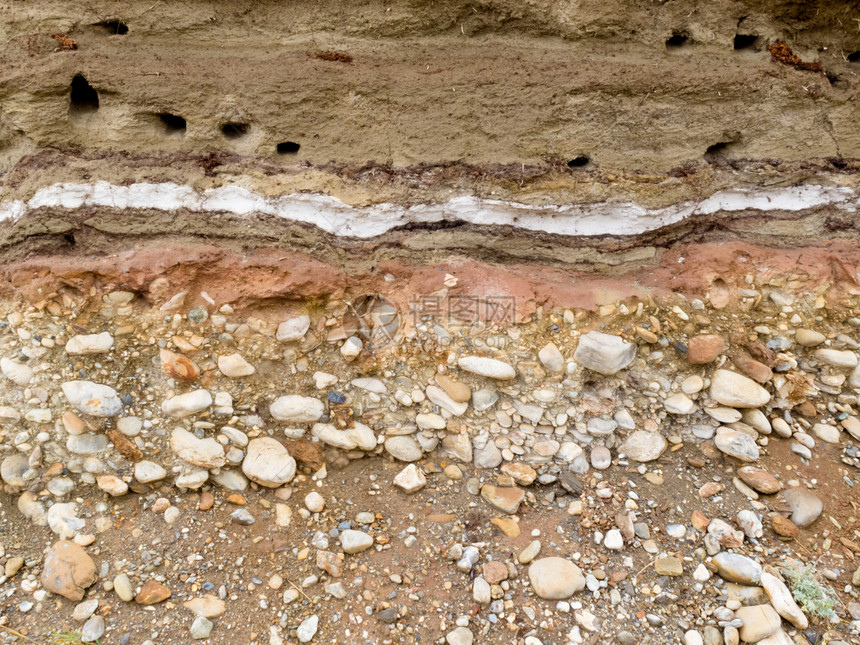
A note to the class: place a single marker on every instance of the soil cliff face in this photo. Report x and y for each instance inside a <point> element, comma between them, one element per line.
<point>581,135</point>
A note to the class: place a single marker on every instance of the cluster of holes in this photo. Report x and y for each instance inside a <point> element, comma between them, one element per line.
<point>113,27</point>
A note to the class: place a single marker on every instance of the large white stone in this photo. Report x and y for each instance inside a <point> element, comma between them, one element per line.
<point>297,409</point>
<point>268,463</point>
<point>359,436</point>
<point>84,344</point>
<point>93,398</point>
<point>148,471</point>
<point>736,444</point>
<point>410,479</point>
<point>19,373</point>
<point>836,357</point>
<point>293,329</point>
<point>205,453</point>
<point>555,578</point>
<point>644,446</point>
<point>235,366</point>
<point>737,391</point>
<point>604,353</point>
<point>355,541</point>
<point>184,405</point>
<point>782,600</point>
<point>489,367</point>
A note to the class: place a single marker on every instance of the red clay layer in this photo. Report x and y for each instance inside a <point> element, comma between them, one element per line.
<point>271,278</point>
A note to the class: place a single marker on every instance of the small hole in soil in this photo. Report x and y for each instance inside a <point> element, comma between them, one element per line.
<point>717,152</point>
<point>69,238</point>
<point>83,98</point>
<point>676,40</point>
<point>288,148</point>
<point>172,122</point>
<point>113,27</point>
<point>745,41</point>
<point>854,57</point>
<point>578,162</point>
<point>234,130</point>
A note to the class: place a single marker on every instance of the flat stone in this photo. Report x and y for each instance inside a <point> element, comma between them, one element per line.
<point>93,629</point>
<point>601,458</point>
<point>123,588</point>
<point>736,444</point>
<point>359,436</point>
<point>484,399</point>
<point>754,369</point>
<point>86,444</point>
<point>208,606</point>
<point>459,392</point>
<point>604,353</point>
<point>783,527</point>
<point>705,348</point>
<point>201,628</point>
<point>147,472</point>
<point>19,373</point>
<point>355,541</point>
<point>555,578</point>
<point>530,552</point>
<point>805,507</point>
<point>679,404</point>
<point>268,463</point>
<point>68,570</point>
<point>505,499</point>
<point>185,405</point>
<point>112,485</point>
<point>459,636</point>
<point>293,329</point>
<point>737,391</point>
<point>63,520</point>
<point>12,469</point>
<point>235,366</point>
<point>782,600</point>
<point>669,566</point>
<point>808,337</point>
<point>93,398</point>
<point>644,446</point>
<point>84,344</point>
<point>734,567</point>
<point>410,479</point>
<point>522,473</point>
<point>307,629</point>
<point>297,409</point>
<point>204,453</point>
<point>489,367</point>
<point>759,480</point>
<point>85,609</point>
<point>826,432</point>
<point>836,357</point>
<point>152,593</point>
<point>404,448</point>
<point>551,358</point>
<point>760,621</point>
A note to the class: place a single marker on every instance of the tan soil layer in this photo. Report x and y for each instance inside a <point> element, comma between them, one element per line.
<point>414,82</point>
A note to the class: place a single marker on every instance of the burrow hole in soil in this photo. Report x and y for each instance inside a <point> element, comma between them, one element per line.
<point>579,162</point>
<point>69,238</point>
<point>113,27</point>
<point>745,41</point>
<point>677,40</point>
<point>854,57</point>
<point>288,148</point>
<point>235,130</point>
<point>718,152</point>
<point>83,97</point>
<point>173,123</point>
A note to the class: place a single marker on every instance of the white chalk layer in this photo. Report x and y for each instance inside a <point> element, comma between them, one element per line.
<point>338,218</point>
